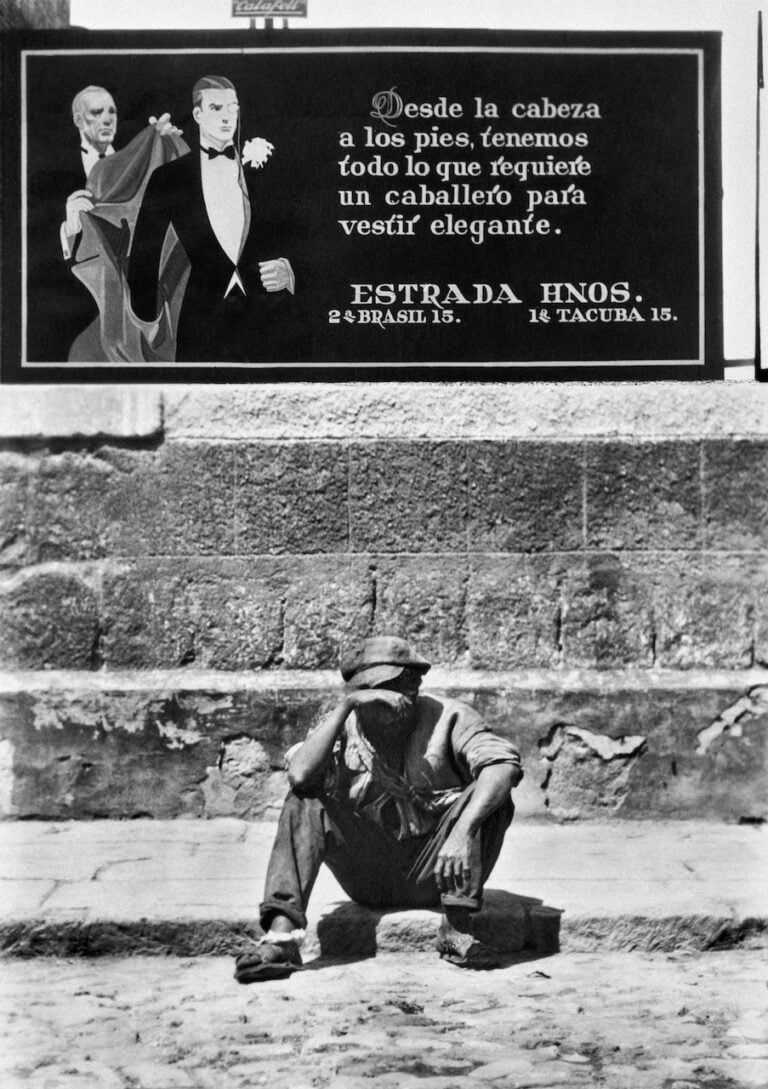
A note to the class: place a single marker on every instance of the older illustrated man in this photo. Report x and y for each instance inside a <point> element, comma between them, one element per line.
<point>95,117</point>
<point>404,796</point>
<point>59,192</point>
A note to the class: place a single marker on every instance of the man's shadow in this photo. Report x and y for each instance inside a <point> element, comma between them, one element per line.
<point>521,928</point>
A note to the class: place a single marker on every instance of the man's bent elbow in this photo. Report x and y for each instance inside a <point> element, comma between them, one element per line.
<point>302,779</point>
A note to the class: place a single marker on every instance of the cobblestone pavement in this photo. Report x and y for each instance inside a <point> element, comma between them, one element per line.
<point>623,1020</point>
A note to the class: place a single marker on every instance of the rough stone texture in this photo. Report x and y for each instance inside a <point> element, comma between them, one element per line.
<point>74,508</point>
<point>48,620</point>
<point>607,615</point>
<point>408,497</point>
<point>736,495</point>
<point>705,608</point>
<point>291,498</point>
<point>235,613</point>
<point>586,772</point>
<point>643,496</point>
<point>177,501</point>
<point>423,599</point>
<point>441,410</point>
<point>14,483</point>
<point>526,497</point>
<point>328,606</point>
<point>213,613</point>
<point>263,529</point>
<point>117,502</point>
<point>634,745</point>
<point>395,1021</point>
<point>45,412</point>
<point>160,754</point>
<point>514,610</point>
<point>244,782</point>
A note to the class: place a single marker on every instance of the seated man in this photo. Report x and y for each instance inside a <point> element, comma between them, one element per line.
<point>405,797</point>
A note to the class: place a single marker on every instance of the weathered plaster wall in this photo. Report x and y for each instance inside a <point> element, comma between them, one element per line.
<point>591,560</point>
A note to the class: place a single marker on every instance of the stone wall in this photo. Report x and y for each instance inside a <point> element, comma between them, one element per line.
<point>182,566</point>
<point>36,14</point>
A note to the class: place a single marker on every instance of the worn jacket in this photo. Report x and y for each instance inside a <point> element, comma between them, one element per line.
<point>449,747</point>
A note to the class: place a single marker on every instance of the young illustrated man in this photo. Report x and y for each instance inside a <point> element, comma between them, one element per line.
<point>404,796</point>
<point>238,303</point>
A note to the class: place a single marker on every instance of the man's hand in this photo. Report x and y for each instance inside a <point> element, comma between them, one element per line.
<point>276,275</point>
<point>453,870</point>
<point>79,201</point>
<point>163,125</point>
<point>381,697</point>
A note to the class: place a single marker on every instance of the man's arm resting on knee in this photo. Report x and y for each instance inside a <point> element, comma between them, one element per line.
<point>493,786</point>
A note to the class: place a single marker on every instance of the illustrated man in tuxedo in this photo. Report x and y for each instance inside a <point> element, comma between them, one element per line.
<point>239,300</point>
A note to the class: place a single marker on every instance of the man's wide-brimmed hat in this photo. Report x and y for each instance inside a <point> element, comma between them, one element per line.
<point>379,659</point>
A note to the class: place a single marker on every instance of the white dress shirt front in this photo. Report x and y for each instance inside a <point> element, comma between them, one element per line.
<point>225,206</point>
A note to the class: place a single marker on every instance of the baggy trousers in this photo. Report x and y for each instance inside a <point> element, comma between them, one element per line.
<point>372,867</point>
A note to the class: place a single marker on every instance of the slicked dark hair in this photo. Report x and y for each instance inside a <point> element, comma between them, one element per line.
<point>210,83</point>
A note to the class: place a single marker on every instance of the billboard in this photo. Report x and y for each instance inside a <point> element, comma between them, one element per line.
<point>408,204</point>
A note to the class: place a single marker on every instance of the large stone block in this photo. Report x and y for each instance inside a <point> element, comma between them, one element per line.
<point>329,604</point>
<point>177,501</point>
<point>217,614</point>
<point>525,496</point>
<point>514,611</point>
<point>408,497</point>
<point>705,609</point>
<point>607,619</point>
<point>291,498</point>
<point>72,496</point>
<point>14,485</point>
<point>48,620</point>
<point>643,496</point>
<point>736,495</point>
<point>235,613</point>
<point>423,599</point>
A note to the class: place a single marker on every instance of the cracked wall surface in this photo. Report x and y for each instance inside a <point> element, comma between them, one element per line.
<point>587,774</point>
<point>573,530</point>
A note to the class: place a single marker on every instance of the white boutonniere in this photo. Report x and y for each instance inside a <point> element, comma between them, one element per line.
<point>257,151</point>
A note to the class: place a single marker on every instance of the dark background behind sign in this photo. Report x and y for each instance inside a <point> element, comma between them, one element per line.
<point>641,223</point>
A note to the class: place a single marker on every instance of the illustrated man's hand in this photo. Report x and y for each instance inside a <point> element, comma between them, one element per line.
<point>79,201</point>
<point>453,869</point>
<point>276,275</point>
<point>163,125</point>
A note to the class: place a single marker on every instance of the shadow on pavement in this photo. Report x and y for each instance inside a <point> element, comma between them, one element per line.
<point>522,928</point>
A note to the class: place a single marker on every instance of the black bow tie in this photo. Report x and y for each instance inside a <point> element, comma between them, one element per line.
<point>228,151</point>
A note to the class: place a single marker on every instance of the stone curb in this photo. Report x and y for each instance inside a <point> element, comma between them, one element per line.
<point>364,933</point>
<point>191,888</point>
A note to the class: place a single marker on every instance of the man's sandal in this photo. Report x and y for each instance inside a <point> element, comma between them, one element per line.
<point>270,960</point>
<point>465,951</point>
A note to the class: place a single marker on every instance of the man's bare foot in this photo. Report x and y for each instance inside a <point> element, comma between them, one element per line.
<point>457,944</point>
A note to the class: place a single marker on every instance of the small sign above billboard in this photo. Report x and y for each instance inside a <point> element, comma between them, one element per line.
<point>289,9</point>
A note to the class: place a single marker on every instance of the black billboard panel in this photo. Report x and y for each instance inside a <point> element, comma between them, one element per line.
<point>414,204</point>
